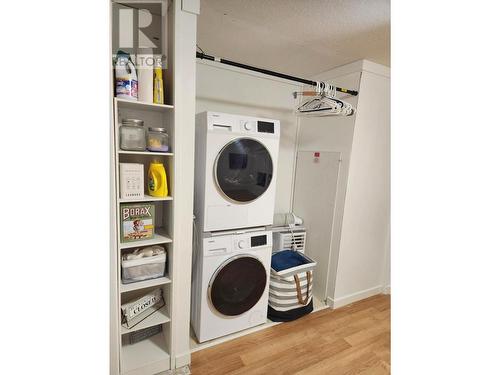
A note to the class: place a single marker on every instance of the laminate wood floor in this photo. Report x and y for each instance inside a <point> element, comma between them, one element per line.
<point>354,339</point>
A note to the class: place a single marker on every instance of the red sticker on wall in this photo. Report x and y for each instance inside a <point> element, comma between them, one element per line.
<point>316,157</point>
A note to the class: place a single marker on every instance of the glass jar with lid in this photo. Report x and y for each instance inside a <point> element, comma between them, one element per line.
<point>158,140</point>
<point>132,135</point>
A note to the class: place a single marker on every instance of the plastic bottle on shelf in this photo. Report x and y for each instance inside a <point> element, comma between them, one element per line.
<point>158,85</point>
<point>126,85</point>
<point>145,66</point>
<point>157,179</point>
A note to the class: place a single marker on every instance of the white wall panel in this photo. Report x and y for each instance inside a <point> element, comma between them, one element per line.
<point>332,134</point>
<point>364,247</point>
<point>314,201</point>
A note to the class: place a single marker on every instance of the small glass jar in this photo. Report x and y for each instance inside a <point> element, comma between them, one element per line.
<point>132,135</point>
<point>158,140</point>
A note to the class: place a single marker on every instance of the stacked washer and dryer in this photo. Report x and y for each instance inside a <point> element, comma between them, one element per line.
<point>235,166</point>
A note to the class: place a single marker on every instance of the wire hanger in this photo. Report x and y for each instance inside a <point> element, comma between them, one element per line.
<point>324,102</point>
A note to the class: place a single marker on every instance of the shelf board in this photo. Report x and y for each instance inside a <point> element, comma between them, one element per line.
<point>138,1</point>
<point>147,198</point>
<point>144,284</point>
<point>152,153</point>
<point>157,318</point>
<point>149,356</point>
<point>156,240</point>
<point>133,104</point>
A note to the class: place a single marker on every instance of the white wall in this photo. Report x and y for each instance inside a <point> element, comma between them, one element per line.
<point>363,266</point>
<point>224,89</point>
<point>332,134</point>
<point>359,263</point>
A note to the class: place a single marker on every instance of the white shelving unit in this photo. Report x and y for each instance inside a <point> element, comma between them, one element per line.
<point>157,318</point>
<point>145,153</point>
<point>147,198</point>
<point>176,40</point>
<point>144,284</point>
<point>144,106</point>
<point>151,354</point>
<point>157,239</point>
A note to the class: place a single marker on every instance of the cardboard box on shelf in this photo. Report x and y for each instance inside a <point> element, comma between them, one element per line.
<point>137,221</point>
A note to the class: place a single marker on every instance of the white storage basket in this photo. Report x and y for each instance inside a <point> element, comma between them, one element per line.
<point>144,268</point>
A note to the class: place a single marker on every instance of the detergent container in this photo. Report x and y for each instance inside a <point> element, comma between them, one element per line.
<point>157,179</point>
<point>158,85</point>
<point>126,85</point>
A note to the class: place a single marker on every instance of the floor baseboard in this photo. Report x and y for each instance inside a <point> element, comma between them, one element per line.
<point>350,298</point>
<point>183,360</point>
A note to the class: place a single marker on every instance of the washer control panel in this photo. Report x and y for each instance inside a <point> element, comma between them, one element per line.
<point>248,241</point>
<point>229,243</point>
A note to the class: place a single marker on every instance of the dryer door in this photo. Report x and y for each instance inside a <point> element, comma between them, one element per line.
<point>243,170</point>
<point>237,285</point>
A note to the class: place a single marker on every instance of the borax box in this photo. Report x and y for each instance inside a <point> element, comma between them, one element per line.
<point>137,221</point>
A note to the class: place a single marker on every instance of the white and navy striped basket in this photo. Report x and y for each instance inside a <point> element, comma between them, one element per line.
<point>290,291</point>
<point>284,292</point>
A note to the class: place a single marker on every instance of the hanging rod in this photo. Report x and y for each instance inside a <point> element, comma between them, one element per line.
<point>202,56</point>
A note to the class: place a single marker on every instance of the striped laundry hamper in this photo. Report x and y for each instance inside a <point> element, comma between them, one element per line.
<point>290,287</point>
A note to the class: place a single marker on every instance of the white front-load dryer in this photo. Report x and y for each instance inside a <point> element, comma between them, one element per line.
<point>235,171</point>
<point>230,286</point>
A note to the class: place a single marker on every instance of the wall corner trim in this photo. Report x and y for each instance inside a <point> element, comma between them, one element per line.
<point>370,66</point>
<point>191,6</point>
<point>354,67</point>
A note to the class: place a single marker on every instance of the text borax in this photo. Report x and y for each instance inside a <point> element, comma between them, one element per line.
<point>135,211</point>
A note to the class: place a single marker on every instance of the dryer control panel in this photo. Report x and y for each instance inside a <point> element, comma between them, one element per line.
<point>257,126</point>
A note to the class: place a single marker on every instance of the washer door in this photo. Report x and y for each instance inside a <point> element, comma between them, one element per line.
<point>237,285</point>
<point>243,170</point>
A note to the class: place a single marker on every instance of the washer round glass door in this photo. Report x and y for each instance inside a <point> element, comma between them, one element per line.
<point>244,170</point>
<point>237,285</point>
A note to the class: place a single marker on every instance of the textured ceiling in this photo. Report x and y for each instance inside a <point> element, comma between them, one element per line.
<point>301,37</point>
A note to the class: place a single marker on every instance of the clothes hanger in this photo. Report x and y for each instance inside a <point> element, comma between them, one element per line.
<point>316,104</point>
<point>324,102</point>
<point>346,108</point>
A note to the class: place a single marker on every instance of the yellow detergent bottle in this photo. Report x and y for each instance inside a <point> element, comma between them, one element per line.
<point>158,86</point>
<point>157,179</point>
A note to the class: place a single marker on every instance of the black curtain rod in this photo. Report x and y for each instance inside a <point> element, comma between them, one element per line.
<point>202,56</point>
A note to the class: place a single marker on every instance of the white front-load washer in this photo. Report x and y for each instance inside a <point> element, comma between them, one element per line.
<point>235,171</point>
<point>230,286</point>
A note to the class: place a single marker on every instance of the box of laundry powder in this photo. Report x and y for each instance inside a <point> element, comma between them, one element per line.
<point>137,221</point>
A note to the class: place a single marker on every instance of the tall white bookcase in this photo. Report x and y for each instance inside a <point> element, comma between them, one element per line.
<point>173,214</point>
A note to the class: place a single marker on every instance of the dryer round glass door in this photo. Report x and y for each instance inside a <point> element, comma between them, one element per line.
<point>237,285</point>
<point>243,170</point>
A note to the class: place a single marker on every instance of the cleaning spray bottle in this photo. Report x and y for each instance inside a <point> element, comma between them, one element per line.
<point>126,84</point>
<point>157,179</point>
